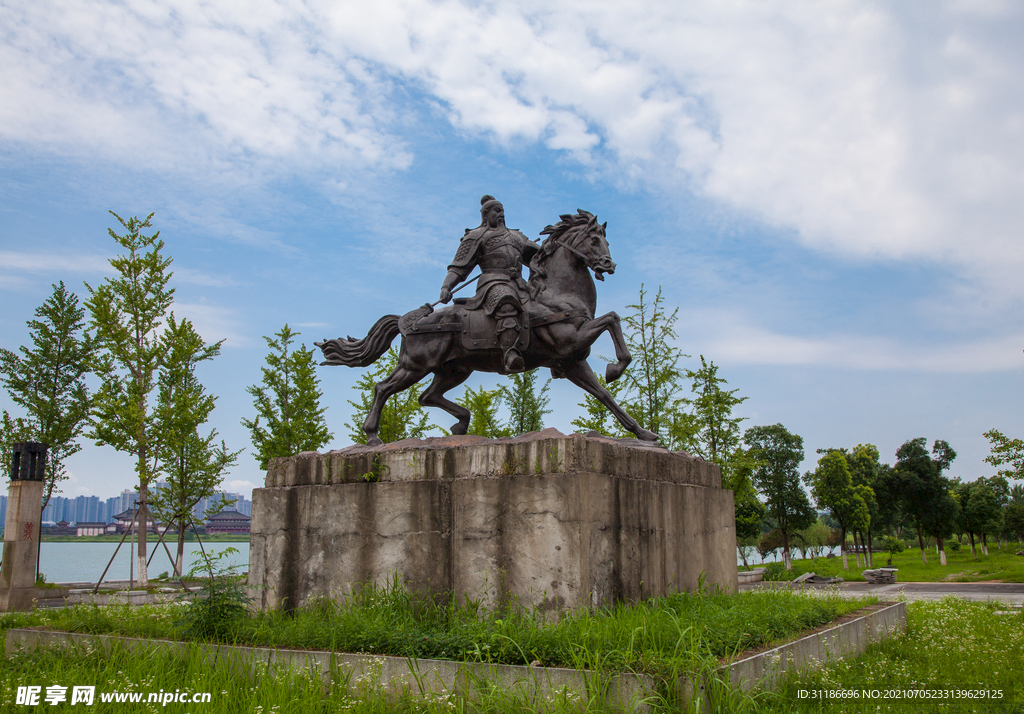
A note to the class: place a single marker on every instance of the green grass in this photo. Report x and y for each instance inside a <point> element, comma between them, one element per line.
<point>950,644</point>
<point>662,636</point>
<point>960,566</point>
<point>262,692</point>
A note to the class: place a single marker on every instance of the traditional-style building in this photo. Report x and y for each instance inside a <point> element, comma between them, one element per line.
<point>228,522</point>
<point>90,529</point>
<point>61,528</point>
<point>124,519</point>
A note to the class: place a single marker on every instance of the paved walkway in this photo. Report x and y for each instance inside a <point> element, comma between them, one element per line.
<point>1007,593</point>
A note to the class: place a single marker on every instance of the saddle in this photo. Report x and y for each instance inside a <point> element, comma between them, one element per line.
<point>476,328</point>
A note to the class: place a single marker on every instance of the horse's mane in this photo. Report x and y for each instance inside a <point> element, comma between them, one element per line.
<point>567,222</point>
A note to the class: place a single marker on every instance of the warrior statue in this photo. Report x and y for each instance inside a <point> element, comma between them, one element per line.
<point>501,291</point>
<point>509,326</point>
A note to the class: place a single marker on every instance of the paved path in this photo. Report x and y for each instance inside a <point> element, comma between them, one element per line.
<point>1008,593</point>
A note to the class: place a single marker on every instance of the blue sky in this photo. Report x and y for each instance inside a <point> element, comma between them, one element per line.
<point>830,193</point>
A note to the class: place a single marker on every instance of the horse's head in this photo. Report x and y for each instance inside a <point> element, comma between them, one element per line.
<point>583,236</point>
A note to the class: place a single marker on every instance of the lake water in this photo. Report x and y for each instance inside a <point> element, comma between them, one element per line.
<point>70,562</point>
<point>84,562</point>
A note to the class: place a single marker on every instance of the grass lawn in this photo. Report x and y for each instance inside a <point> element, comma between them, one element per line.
<point>661,636</point>
<point>951,644</point>
<point>960,566</point>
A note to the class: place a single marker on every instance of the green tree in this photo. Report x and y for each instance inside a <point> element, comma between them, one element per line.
<point>287,401</point>
<point>749,512</point>
<point>483,407</point>
<point>707,427</point>
<point>526,404</point>
<point>48,382</point>
<point>778,454</point>
<point>1006,452</point>
<point>653,380</point>
<point>866,472</point>
<point>920,482</point>
<point>127,313</point>
<point>193,465</point>
<point>402,416</point>
<point>832,488</point>
<point>1013,516</point>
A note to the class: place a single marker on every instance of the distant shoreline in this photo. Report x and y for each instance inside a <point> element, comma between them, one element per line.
<point>189,538</point>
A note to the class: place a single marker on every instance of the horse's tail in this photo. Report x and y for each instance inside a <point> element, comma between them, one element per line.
<point>364,352</point>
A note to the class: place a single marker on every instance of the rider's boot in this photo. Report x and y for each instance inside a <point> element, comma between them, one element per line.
<point>508,337</point>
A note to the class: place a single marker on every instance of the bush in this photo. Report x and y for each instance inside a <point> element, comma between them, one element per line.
<point>222,603</point>
<point>778,572</point>
<point>952,546</point>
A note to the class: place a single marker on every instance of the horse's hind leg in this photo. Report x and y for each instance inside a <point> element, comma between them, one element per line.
<point>580,374</point>
<point>402,378</point>
<point>433,396</point>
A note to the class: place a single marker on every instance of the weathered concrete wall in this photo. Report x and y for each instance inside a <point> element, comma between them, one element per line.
<point>554,520</point>
<point>21,541</point>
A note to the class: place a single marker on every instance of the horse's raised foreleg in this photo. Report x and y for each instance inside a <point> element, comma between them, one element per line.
<point>433,396</point>
<point>402,378</point>
<point>580,374</point>
<point>589,332</point>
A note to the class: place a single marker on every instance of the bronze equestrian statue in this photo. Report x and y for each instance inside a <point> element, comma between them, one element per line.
<point>509,326</point>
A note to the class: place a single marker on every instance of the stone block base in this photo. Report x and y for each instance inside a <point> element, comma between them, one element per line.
<point>554,521</point>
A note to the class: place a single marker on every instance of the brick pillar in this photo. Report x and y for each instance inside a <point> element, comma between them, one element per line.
<point>21,529</point>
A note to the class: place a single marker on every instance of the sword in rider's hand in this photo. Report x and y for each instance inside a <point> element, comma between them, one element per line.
<point>458,289</point>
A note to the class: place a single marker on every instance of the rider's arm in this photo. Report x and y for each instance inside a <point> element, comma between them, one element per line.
<point>450,281</point>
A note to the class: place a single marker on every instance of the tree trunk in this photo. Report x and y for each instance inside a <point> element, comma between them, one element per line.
<point>785,551</point>
<point>180,555</point>
<point>920,540</point>
<point>842,549</point>
<point>942,551</point>
<point>974,551</point>
<point>984,543</point>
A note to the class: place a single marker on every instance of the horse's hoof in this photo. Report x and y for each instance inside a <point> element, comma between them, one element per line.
<point>374,441</point>
<point>460,429</point>
<point>614,371</point>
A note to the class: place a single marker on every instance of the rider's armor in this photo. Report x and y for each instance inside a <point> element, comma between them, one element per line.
<point>501,291</point>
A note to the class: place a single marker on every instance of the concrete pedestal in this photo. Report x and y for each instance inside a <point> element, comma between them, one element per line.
<point>555,521</point>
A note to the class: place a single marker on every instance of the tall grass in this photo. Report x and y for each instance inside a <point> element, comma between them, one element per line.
<point>952,644</point>
<point>662,636</point>
<point>259,691</point>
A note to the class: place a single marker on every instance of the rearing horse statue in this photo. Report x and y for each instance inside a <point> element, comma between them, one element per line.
<point>558,328</point>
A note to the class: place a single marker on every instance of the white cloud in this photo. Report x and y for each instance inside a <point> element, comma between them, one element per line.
<point>866,129</point>
<point>213,323</point>
<point>739,343</point>
<point>47,262</point>
<point>243,487</point>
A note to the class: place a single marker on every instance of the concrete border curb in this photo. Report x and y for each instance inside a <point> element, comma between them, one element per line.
<point>629,691</point>
<point>851,637</point>
<point>394,673</point>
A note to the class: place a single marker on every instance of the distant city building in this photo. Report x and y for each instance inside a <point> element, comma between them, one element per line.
<point>228,522</point>
<point>91,509</point>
